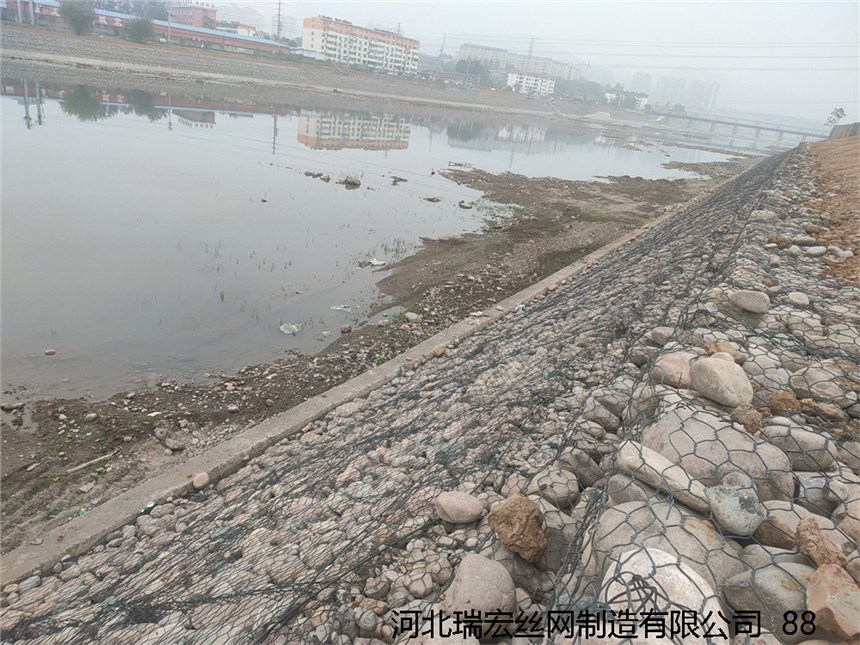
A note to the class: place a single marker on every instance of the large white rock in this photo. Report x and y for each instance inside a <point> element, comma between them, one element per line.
<point>819,383</point>
<point>677,585</point>
<point>721,381</point>
<point>808,451</point>
<point>772,590</point>
<point>708,448</point>
<point>661,525</point>
<point>673,369</point>
<point>457,507</point>
<point>558,486</point>
<point>483,585</point>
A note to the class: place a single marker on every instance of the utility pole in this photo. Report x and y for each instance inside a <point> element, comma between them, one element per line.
<point>18,5</point>
<point>32,13</point>
<point>442,48</point>
<point>530,68</point>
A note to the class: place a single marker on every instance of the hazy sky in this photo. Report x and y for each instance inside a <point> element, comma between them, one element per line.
<point>792,58</point>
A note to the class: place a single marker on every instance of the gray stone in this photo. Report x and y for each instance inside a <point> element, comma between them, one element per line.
<point>804,240</point>
<point>709,448</point>
<point>661,525</point>
<point>481,584</point>
<point>808,451</point>
<point>721,381</point>
<point>798,299</point>
<point>772,590</point>
<point>677,584</point>
<point>457,507</point>
<point>29,583</point>
<point>819,383</point>
<point>758,556</point>
<point>737,510</point>
<point>816,251</point>
<point>558,486</point>
<point>754,302</point>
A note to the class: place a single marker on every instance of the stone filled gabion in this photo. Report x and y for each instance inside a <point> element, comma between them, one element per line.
<point>679,419</point>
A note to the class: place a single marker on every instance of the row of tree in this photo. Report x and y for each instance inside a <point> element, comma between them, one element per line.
<point>81,16</point>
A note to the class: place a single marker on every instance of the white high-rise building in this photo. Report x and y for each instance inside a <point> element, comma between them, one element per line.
<point>342,42</point>
<point>531,84</point>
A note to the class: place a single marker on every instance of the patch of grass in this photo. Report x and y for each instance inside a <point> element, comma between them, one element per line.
<point>552,262</point>
<point>497,247</point>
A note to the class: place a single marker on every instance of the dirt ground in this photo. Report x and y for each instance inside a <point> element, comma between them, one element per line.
<point>837,172</point>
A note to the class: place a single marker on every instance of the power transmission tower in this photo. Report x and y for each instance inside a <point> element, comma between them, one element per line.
<point>442,48</point>
<point>279,19</point>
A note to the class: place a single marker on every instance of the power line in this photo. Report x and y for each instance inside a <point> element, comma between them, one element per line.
<point>649,43</point>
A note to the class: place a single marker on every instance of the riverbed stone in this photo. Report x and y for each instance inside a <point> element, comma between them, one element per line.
<point>754,302</point>
<point>721,381</point>
<point>482,585</point>
<point>808,451</point>
<point>673,369</point>
<point>708,448</point>
<point>736,509</point>
<point>678,585</point>
<point>771,590</point>
<point>558,486</point>
<point>458,507</point>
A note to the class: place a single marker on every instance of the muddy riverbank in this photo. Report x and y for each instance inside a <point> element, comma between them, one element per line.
<point>49,447</point>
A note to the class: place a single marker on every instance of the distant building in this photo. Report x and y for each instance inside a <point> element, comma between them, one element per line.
<point>641,83</point>
<point>531,84</point>
<point>230,12</point>
<point>194,13</point>
<point>701,96</point>
<point>342,42</point>
<point>502,59</point>
<point>618,97</point>
<point>670,90</point>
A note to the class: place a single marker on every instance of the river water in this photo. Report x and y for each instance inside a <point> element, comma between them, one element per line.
<point>148,236</point>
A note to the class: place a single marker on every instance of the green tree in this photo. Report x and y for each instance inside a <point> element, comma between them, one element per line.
<point>835,117</point>
<point>139,30</point>
<point>79,15</point>
<point>83,103</point>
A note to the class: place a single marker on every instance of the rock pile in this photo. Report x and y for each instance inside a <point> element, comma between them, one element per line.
<point>675,430</point>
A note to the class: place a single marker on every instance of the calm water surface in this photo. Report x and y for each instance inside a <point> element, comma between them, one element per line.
<point>150,236</point>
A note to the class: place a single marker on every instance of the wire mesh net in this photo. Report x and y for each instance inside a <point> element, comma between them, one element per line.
<point>658,450</point>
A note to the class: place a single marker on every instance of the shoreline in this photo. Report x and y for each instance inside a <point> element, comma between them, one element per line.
<point>445,282</point>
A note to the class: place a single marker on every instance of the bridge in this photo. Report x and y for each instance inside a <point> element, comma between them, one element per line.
<point>758,127</point>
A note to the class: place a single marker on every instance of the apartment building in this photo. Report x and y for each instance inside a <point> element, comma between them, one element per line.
<point>531,84</point>
<point>342,42</point>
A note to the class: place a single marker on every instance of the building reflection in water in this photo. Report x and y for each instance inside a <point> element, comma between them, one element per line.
<point>333,131</point>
